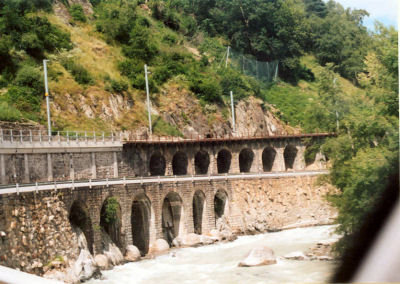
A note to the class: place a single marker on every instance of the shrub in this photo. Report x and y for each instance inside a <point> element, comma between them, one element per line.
<point>117,86</point>
<point>111,210</point>
<point>24,99</point>
<point>30,77</point>
<point>80,74</point>
<point>169,39</point>
<point>9,113</point>
<point>76,12</point>
<point>206,89</point>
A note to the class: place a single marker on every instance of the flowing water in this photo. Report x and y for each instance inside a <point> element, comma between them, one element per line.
<point>218,263</point>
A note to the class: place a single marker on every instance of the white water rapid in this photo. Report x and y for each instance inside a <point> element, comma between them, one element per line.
<point>218,263</point>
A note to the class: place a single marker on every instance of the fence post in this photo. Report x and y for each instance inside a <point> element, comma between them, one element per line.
<point>30,135</point>
<point>36,187</point>
<point>94,136</point>
<point>67,136</point>
<point>107,182</point>
<point>20,136</point>
<point>12,138</point>
<point>85,136</point>
<point>90,183</point>
<point>59,138</point>
<point>124,179</point>
<point>103,136</point>
<point>40,136</point>
<point>17,187</point>
<point>112,136</point>
<point>1,135</point>
<point>76,136</point>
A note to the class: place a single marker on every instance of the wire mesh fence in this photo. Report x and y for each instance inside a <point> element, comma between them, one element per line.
<point>266,71</point>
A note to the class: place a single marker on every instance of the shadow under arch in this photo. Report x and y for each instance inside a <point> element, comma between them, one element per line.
<point>79,218</point>
<point>268,158</point>
<point>224,158</point>
<point>198,211</point>
<point>201,162</point>
<point>221,206</point>
<point>157,164</point>
<point>172,211</point>
<point>246,157</point>
<point>140,221</point>
<point>289,154</point>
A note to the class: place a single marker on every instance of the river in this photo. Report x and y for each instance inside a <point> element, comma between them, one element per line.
<point>218,263</point>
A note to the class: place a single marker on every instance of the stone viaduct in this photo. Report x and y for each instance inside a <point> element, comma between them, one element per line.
<point>162,189</point>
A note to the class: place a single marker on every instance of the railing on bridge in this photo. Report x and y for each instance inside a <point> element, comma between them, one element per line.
<point>20,136</point>
<point>38,186</point>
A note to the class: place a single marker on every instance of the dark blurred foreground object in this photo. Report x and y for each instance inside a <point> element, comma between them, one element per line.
<point>374,253</point>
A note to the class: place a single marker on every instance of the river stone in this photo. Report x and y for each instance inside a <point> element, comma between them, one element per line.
<point>160,245</point>
<point>259,256</point>
<point>215,234</point>
<point>85,267</point>
<point>296,255</point>
<point>191,240</point>
<point>102,261</point>
<point>177,242</point>
<point>132,253</point>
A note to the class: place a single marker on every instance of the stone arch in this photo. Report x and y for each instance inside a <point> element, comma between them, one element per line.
<point>201,162</point>
<point>268,158</point>
<point>179,163</point>
<point>110,219</point>
<point>199,216</point>
<point>221,206</point>
<point>79,218</point>
<point>246,157</point>
<point>224,158</point>
<point>289,155</point>
<point>172,212</point>
<point>140,221</point>
<point>157,164</point>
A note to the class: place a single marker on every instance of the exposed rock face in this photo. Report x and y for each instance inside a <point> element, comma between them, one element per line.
<point>252,119</point>
<point>111,250</point>
<point>132,253</point>
<point>61,11</point>
<point>86,6</point>
<point>259,256</point>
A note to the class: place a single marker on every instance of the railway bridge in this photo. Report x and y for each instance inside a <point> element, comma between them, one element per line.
<point>160,189</point>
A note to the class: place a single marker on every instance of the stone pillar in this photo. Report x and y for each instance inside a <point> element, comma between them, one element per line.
<point>257,166</point>
<point>2,169</point>
<point>191,167</point>
<point>168,164</point>
<point>26,168</point>
<point>299,163</point>
<point>93,165</point>
<point>71,167</point>
<point>212,168</point>
<point>279,162</point>
<point>235,167</point>
<point>49,168</point>
<point>115,165</point>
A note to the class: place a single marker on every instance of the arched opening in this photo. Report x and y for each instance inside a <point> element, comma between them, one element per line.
<point>224,161</point>
<point>140,220</point>
<point>289,155</point>
<point>220,203</point>
<point>110,220</point>
<point>246,157</point>
<point>198,210</point>
<point>268,158</point>
<point>201,162</point>
<point>171,216</point>
<point>79,218</point>
<point>157,164</point>
<point>179,163</point>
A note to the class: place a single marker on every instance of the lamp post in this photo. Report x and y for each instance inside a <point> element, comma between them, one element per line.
<point>46,94</point>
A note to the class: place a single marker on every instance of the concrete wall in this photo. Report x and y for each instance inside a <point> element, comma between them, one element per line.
<point>36,226</point>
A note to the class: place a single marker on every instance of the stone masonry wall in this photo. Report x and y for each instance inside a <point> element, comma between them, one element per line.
<point>35,227</point>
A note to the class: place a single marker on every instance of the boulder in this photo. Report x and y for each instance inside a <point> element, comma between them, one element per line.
<point>259,256</point>
<point>296,255</point>
<point>132,253</point>
<point>191,240</point>
<point>160,245</point>
<point>102,261</point>
<point>114,254</point>
<point>85,266</point>
<point>177,242</point>
<point>206,240</point>
<point>215,234</point>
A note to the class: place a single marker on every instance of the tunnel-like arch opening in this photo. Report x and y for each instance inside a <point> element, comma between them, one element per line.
<point>110,220</point>
<point>171,216</point>
<point>289,155</point>
<point>246,157</point>
<point>79,218</point>
<point>268,158</point>
<point>220,203</point>
<point>198,210</point>
<point>140,220</point>
<point>157,164</point>
<point>201,162</point>
<point>179,163</point>
<point>224,161</point>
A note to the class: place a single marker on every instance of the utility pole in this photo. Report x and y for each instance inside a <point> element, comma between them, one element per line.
<point>233,113</point>
<point>148,99</point>
<point>227,57</point>
<point>46,94</point>
<point>336,112</point>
